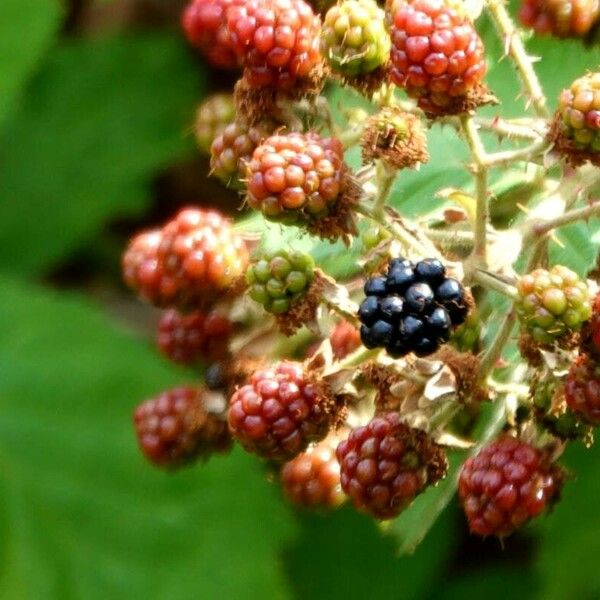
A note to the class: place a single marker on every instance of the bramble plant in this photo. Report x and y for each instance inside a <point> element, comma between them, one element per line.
<point>377,368</point>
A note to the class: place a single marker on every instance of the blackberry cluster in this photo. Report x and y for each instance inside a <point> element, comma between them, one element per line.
<point>175,428</point>
<point>296,177</point>
<point>562,18</point>
<point>185,338</point>
<point>279,412</point>
<point>582,389</point>
<point>552,303</point>
<point>437,55</point>
<point>505,485</point>
<point>280,278</point>
<point>354,40</point>
<point>212,116</point>
<point>386,464</point>
<point>312,479</point>
<point>412,308</point>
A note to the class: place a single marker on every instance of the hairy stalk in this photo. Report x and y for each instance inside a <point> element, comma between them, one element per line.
<point>385,181</point>
<point>527,154</point>
<point>513,45</point>
<point>491,282</point>
<point>493,353</point>
<point>540,228</point>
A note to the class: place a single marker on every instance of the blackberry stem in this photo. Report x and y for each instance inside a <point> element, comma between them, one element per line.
<point>491,282</point>
<point>541,228</point>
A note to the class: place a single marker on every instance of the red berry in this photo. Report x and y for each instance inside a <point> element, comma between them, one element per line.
<point>345,339</point>
<point>175,428</point>
<point>507,483</point>
<point>437,56</point>
<point>185,338</point>
<point>278,412</point>
<point>278,41</point>
<point>562,18</point>
<point>582,389</point>
<point>386,464</point>
<point>312,479</point>
<point>205,25</point>
<point>296,177</point>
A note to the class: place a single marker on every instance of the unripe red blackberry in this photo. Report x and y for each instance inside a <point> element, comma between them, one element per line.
<point>185,338</point>
<point>437,56</point>
<point>280,278</point>
<point>354,39</point>
<point>277,40</point>
<point>212,116</point>
<point>577,124</point>
<point>582,389</point>
<point>312,479</point>
<point>345,339</point>
<point>386,464</point>
<point>175,428</point>
<point>142,270</point>
<point>591,331</point>
<point>205,25</point>
<point>507,483</point>
<point>202,255</point>
<point>552,303</point>
<point>562,18</point>
<point>233,148</point>
<point>279,412</point>
<point>296,177</point>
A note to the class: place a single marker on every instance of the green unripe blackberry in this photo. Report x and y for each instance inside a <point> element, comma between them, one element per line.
<point>552,303</point>
<point>212,116</point>
<point>278,279</point>
<point>373,236</point>
<point>467,337</point>
<point>354,40</point>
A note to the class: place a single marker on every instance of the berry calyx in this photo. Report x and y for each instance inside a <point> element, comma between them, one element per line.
<point>354,40</point>
<point>582,389</point>
<point>185,338</point>
<point>205,26</point>
<point>412,308</point>
<point>312,479</point>
<point>505,485</point>
<point>386,464</point>
<point>437,56</point>
<point>212,116</point>
<point>279,412</point>
<point>552,303</point>
<point>561,18</point>
<point>276,40</point>
<point>175,428</point>
<point>280,278</point>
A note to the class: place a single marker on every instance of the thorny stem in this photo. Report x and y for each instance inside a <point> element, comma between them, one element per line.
<point>489,281</point>
<point>527,154</point>
<point>515,48</point>
<point>493,353</point>
<point>385,181</point>
<point>540,228</point>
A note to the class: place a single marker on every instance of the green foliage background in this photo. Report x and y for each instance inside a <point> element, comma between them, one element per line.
<point>87,124</point>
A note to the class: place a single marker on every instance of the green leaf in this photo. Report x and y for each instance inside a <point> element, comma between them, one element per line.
<point>82,515</point>
<point>26,31</point>
<point>97,122</point>
<point>579,249</point>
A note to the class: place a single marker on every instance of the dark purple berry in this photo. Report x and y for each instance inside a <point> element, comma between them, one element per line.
<point>411,328</point>
<point>418,298</point>
<point>369,310</point>
<point>399,279</point>
<point>439,323</point>
<point>430,270</point>
<point>425,346</point>
<point>391,308</point>
<point>376,286</point>
<point>382,332</point>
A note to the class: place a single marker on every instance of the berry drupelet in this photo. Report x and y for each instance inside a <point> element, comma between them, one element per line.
<point>279,412</point>
<point>296,177</point>
<point>582,389</point>
<point>437,56</point>
<point>280,278</point>
<point>386,464</point>
<point>507,483</point>
<point>552,303</point>
<point>345,339</point>
<point>412,308</point>
<point>185,338</point>
<point>561,18</point>
<point>212,117</point>
<point>175,428</point>
<point>312,479</point>
<point>354,40</point>
<point>277,41</point>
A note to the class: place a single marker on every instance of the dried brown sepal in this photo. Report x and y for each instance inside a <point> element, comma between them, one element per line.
<point>429,452</point>
<point>340,223</point>
<point>465,368</point>
<point>367,84</point>
<point>566,148</point>
<point>395,136</point>
<point>533,351</point>
<point>384,379</point>
<point>477,97</point>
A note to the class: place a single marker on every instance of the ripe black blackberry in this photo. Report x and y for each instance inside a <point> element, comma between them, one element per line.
<point>412,308</point>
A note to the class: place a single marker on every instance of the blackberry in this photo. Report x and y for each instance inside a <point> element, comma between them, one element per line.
<point>280,278</point>
<point>175,428</point>
<point>413,308</point>
<point>507,483</point>
<point>552,303</point>
<point>386,464</point>
<point>562,18</point>
<point>212,116</point>
<point>582,389</point>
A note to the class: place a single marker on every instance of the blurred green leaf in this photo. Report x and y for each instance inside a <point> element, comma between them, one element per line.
<point>96,123</point>
<point>82,515</point>
<point>579,247</point>
<point>26,31</point>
